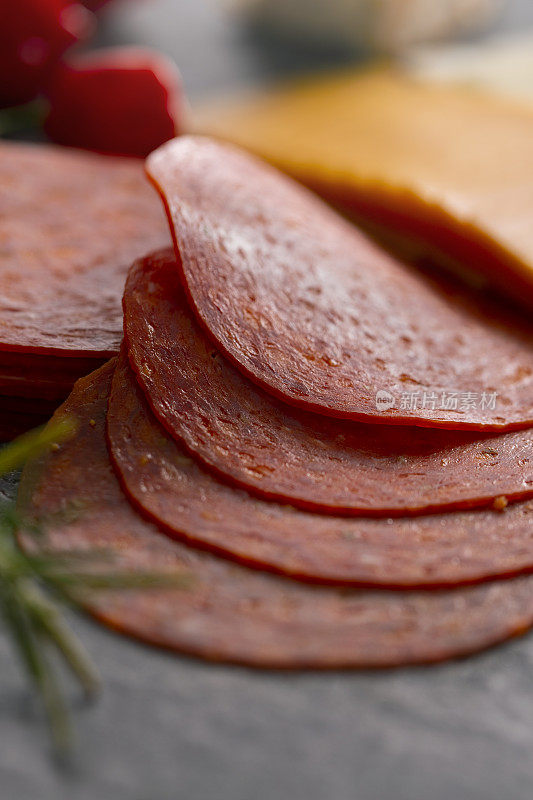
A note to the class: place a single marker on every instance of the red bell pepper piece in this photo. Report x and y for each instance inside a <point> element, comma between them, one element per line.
<point>124,101</point>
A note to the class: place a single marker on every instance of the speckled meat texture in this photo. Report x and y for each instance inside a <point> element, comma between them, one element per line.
<point>168,486</point>
<point>315,313</point>
<point>70,225</point>
<point>283,453</point>
<point>231,613</point>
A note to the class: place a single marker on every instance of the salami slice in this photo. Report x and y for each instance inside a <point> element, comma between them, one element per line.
<point>168,486</point>
<point>315,313</point>
<point>228,612</point>
<point>290,455</point>
<point>70,225</point>
<point>448,169</point>
<point>39,376</point>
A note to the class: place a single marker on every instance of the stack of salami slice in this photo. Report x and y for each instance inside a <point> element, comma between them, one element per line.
<point>334,448</point>
<point>70,225</point>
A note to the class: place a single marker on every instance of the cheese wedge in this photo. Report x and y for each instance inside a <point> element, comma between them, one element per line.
<point>439,172</point>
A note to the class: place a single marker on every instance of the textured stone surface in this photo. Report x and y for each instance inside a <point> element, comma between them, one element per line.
<point>168,727</point>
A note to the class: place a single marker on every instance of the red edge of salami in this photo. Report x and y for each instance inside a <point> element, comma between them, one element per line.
<point>230,613</point>
<point>289,455</point>
<point>254,297</point>
<point>168,487</point>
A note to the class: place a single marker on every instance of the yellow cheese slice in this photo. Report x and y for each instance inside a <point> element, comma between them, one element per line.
<point>443,172</point>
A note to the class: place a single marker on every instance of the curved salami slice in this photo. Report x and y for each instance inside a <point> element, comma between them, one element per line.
<point>315,313</point>
<point>383,146</point>
<point>70,225</point>
<point>161,480</point>
<point>231,613</point>
<point>290,455</point>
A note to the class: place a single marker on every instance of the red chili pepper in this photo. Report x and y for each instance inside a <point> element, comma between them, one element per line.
<point>124,101</point>
<point>34,34</point>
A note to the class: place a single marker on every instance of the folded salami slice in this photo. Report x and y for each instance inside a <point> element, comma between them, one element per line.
<point>231,613</point>
<point>315,313</point>
<point>287,454</point>
<point>167,485</point>
<point>70,225</point>
<point>384,147</point>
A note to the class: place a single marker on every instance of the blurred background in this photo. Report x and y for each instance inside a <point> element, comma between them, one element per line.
<point>222,45</point>
<point>171,727</point>
<point>67,66</point>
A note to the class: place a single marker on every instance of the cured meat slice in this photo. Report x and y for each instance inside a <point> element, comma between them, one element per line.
<point>39,376</point>
<point>448,169</point>
<point>287,454</point>
<point>231,613</point>
<point>315,313</point>
<point>45,367</point>
<point>167,485</point>
<point>70,225</point>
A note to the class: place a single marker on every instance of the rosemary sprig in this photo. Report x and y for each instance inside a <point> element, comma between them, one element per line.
<point>33,587</point>
<point>29,445</point>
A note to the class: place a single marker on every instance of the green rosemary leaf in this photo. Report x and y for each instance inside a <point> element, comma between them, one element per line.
<point>47,618</point>
<point>66,560</point>
<point>31,652</point>
<point>33,615</point>
<point>83,581</point>
<point>31,444</point>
